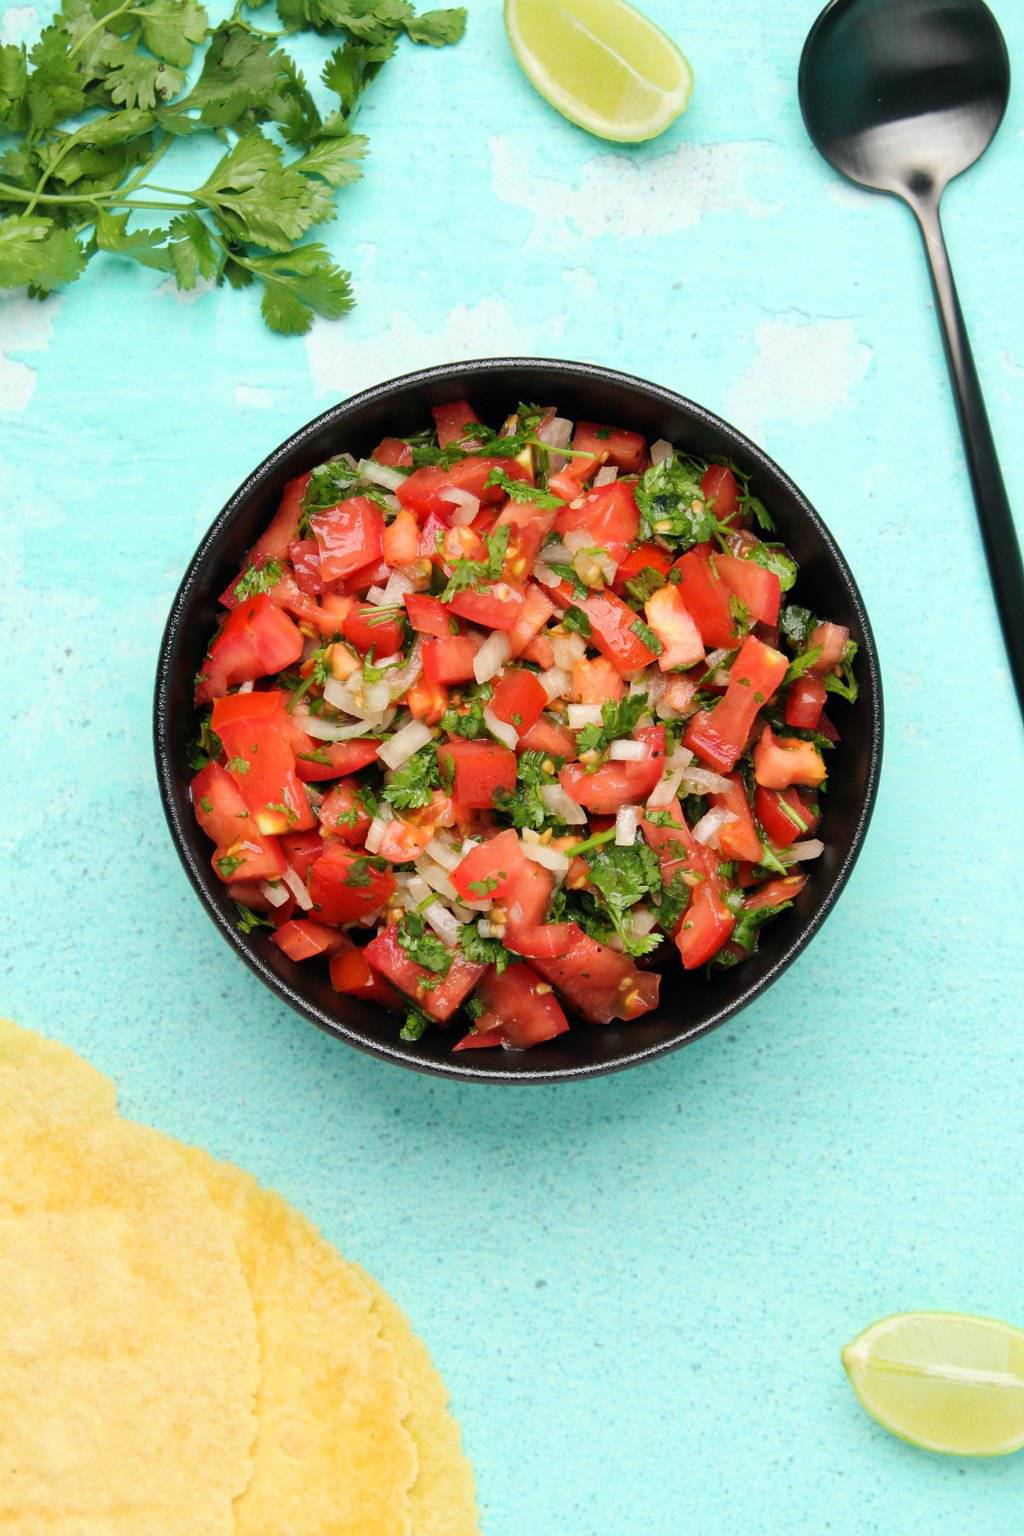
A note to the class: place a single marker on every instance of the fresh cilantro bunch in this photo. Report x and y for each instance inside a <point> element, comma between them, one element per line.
<point>92,109</point>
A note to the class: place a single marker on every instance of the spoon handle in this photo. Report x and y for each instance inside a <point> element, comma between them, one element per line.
<point>994,516</point>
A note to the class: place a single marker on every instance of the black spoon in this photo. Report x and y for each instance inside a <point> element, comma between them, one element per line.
<point>901,96</point>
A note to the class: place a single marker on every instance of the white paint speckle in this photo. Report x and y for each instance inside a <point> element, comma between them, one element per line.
<point>342,362</point>
<point>583,279</point>
<point>26,325</point>
<point>187,295</point>
<point>847,195</point>
<point>630,197</point>
<point>802,373</point>
<point>250,397</point>
<point>17,23</point>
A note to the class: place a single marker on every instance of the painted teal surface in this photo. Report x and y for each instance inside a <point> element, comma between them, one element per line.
<point>637,1287</point>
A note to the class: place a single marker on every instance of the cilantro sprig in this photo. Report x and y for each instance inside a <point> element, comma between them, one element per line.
<point>467,574</point>
<point>69,188</point>
<point>618,718</point>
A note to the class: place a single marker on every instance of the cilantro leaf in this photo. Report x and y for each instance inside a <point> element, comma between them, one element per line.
<point>34,250</point>
<point>468,719</point>
<point>416,1024</point>
<point>335,159</point>
<point>146,246</point>
<point>843,682</point>
<point>248,920</point>
<point>256,198</point>
<point>423,947</point>
<point>672,504</point>
<point>618,718</point>
<point>644,584</point>
<point>170,28</point>
<point>136,80</point>
<point>623,877</point>
<point>523,806</point>
<point>194,254</point>
<point>437,28</point>
<point>576,622</point>
<point>472,573</point>
<point>13,86</point>
<point>796,624</point>
<point>298,284</point>
<point>519,490</point>
<point>409,788</point>
<point>801,664</point>
<point>240,72</point>
<point>778,559</point>
<point>481,951</point>
<point>350,69</point>
<point>257,578</point>
<point>645,634</point>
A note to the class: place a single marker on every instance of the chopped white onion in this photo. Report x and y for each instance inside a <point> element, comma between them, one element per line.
<point>575,540</point>
<point>560,553</point>
<point>557,434</point>
<point>703,781</point>
<point>679,757</point>
<point>643,920</point>
<point>469,845</point>
<point>653,684</point>
<point>711,823</point>
<point>376,698</point>
<point>606,475</point>
<point>375,595</point>
<point>298,889</point>
<point>418,889</point>
<point>373,699</point>
<point>584,714</point>
<point>245,688</point>
<point>664,792</point>
<point>626,819</point>
<point>399,679</point>
<point>396,588</point>
<point>491,656</point>
<point>555,682</point>
<point>345,458</point>
<point>381,474</point>
<point>277,894</point>
<point>436,878</point>
<point>443,922</point>
<point>488,930</point>
<point>404,743</point>
<point>330,730</point>
<point>443,853</point>
<point>375,836</point>
<point>500,729</point>
<point>661,450</point>
<point>628,751</point>
<point>812,848</point>
<point>545,575</point>
<point>589,566</point>
<point>561,804</point>
<point>568,650</point>
<point>547,857</point>
<point>465,503</point>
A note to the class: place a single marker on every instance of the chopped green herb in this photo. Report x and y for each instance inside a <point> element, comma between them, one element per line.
<point>644,584</point>
<point>844,683</point>
<point>774,557</point>
<point>576,622</point>
<point>474,573</point>
<point>257,578</point>
<point>645,634</point>
<point>409,788</point>
<point>206,748</point>
<point>521,490</point>
<point>796,624</point>
<point>424,947</point>
<point>618,718</point>
<point>238,765</point>
<point>481,951</point>
<point>801,664</point>
<point>672,505</point>
<point>248,920</point>
<point>228,864</point>
<point>416,1024</point>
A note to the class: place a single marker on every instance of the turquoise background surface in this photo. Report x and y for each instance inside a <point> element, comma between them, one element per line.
<point>638,1286</point>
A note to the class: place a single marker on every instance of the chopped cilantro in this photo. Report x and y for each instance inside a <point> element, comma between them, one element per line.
<point>207,746</point>
<point>796,624</point>
<point>468,719</point>
<point>318,755</point>
<point>248,920</point>
<point>521,490</point>
<point>481,951</point>
<point>672,504</point>
<point>801,664</point>
<point>644,584</point>
<point>409,788</point>
<point>774,557</point>
<point>618,718</point>
<point>523,806</point>
<point>645,634</point>
<point>206,804</point>
<point>238,765</point>
<point>482,888</point>
<point>844,683</point>
<point>416,1024</point>
<point>623,877</point>
<point>257,578</point>
<point>228,865</point>
<point>576,622</point>
<point>424,947</point>
<point>474,573</point>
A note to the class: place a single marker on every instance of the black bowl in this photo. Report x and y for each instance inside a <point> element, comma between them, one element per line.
<point>691,1004</point>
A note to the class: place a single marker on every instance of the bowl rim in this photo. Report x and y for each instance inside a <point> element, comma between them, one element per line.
<point>457,1068</point>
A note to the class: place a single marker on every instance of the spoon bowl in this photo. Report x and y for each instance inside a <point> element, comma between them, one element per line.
<point>903,95</point>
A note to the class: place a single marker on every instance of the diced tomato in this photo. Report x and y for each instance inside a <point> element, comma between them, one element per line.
<point>832,639</point>
<point>423,490</point>
<point>706,925</point>
<point>759,590</point>
<point>528,527</point>
<point>670,619</point>
<point>283,530</point>
<point>706,596</point>
<point>302,939</point>
<point>595,680</point>
<point>784,814</point>
<point>570,480</point>
<point>608,515</point>
<point>432,536</point>
<point>219,808</point>
<point>519,1007</point>
<point>544,941</point>
<point>449,661</point>
<point>775,892</point>
<point>401,539</point>
<point>440,1001</point>
<point>645,556</point>
<point>392,453</point>
<point>352,973</point>
<point>678,693</point>
<point>805,702</point>
<point>364,629</point>
<point>346,885</point>
<point>496,605</point>
<point>477,1041</point>
<point>343,814</point>
<point>334,608</point>
<point>719,735</point>
<point>480,768</point>
<point>428,616</point>
<point>451,421</point>
<point>617,783</point>
<point>541,651</point>
<point>489,872</point>
<point>301,850</point>
<point>255,640</point>
<point>251,857</point>
<point>426,701</point>
<point>677,849</point>
<point>404,840</point>
<point>718,484</point>
<point>304,555</point>
<point>350,537</point>
<point>626,450</point>
<point>598,982</point>
<point>331,759</point>
<point>612,627</point>
<point>533,615</point>
<point>737,839</point>
<point>546,736</point>
<point>519,699</point>
<point>780,761</point>
<point>367,576</point>
<point>260,759</point>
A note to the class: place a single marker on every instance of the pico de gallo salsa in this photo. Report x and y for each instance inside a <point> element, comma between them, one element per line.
<point>497,720</point>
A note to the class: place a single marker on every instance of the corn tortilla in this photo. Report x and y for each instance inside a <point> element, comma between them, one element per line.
<point>39,1075</point>
<point>442,1501</point>
<point>128,1354</point>
<point>332,1456</point>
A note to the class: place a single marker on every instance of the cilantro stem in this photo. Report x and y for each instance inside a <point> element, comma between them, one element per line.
<point>111,200</point>
<point>104,21</point>
<point>144,170</point>
<point>591,842</point>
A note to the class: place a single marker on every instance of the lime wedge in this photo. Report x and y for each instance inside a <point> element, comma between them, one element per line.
<point>601,64</point>
<point>942,1381</point>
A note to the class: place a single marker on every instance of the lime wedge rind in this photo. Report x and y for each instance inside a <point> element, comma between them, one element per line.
<point>942,1381</point>
<point>610,76</point>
